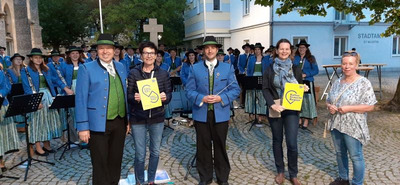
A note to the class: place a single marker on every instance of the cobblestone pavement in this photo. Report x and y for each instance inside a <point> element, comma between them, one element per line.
<point>250,154</point>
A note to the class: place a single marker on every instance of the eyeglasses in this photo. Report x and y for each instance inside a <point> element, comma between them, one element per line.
<point>148,53</point>
<point>350,54</point>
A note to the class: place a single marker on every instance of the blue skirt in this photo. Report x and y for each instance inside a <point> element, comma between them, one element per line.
<point>308,108</point>
<point>260,102</point>
<point>8,133</point>
<point>45,123</point>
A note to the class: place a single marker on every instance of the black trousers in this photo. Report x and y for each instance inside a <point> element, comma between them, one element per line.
<point>106,150</point>
<point>210,134</point>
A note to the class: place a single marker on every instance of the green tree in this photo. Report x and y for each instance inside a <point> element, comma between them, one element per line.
<point>125,18</point>
<point>387,11</point>
<point>63,21</point>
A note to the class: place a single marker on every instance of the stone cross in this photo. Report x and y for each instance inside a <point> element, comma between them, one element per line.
<point>153,28</point>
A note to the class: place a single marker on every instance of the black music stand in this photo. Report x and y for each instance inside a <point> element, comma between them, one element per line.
<point>21,105</point>
<point>253,83</point>
<point>16,89</point>
<point>64,102</point>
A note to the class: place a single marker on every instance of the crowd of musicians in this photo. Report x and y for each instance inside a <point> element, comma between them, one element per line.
<point>108,103</point>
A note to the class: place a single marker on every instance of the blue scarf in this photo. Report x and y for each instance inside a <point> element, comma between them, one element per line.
<point>283,68</point>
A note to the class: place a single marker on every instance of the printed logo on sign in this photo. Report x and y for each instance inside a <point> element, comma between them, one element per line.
<point>146,90</point>
<point>153,97</point>
<point>149,93</point>
<point>292,96</point>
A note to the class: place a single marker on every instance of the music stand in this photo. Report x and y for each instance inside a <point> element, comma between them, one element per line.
<point>16,89</point>
<point>64,102</point>
<point>253,83</point>
<point>21,105</point>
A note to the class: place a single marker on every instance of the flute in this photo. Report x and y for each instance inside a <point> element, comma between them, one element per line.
<point>201,104</point>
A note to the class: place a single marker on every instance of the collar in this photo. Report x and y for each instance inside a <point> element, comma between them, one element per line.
<point>214,62</point>
<point>104,65</point>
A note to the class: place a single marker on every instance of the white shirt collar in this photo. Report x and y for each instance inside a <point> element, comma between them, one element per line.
<point>214,62</point>
<point>105,65</point>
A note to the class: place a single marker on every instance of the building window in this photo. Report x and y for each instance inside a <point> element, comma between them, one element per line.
<point>297,39</point>
<point>217,5</point>
<point>197,5</point>
<point>246,7</point>
<point>339,16</point>
<point>396,45</point>
<point>340,46</point>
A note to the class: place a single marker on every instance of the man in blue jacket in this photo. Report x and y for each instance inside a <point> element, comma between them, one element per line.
<point>212,87</point>
<point>101,111</point>
<point>4,59</point>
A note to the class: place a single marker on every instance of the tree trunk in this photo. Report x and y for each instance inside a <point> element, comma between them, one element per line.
<point>394,104</point>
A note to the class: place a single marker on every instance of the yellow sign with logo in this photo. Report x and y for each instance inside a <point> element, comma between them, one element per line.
<point>149,93</point>
<point>293,96</point>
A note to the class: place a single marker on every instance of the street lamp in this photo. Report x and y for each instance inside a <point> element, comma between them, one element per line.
<point>101,18</point>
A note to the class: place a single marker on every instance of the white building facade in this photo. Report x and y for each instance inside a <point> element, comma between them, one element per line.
<point>236,22</point>
<point>232,22</point>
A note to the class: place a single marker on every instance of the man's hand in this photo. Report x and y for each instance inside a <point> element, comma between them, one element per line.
<point>84,136</point>
<point>210,99</point>
<point>163,96</point>
<point>137,97</point>
<point>128,129</point>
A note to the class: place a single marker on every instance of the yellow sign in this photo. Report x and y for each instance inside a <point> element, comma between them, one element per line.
<point>293,96</point>
<point>149,93</point>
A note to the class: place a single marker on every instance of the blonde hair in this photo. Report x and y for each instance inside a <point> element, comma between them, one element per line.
<point>352,53</point>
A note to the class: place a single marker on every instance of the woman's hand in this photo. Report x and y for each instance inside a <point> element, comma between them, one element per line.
<point>137,97</point>
<point>344,109</point>
<point>277,108</point>
<point>332,108</point>
<point>40,106</point>
<point>306,88</point>
<point>163,96</point>
<point>68,91</point>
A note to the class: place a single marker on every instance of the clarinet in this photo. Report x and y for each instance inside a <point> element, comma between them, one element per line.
<point>59,75</point>
<point>9,76</point>
<point>30,81</point>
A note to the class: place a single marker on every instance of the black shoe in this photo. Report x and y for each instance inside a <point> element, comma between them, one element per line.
<point>3,169</point>
<point>340,181</point>
<point>223,183</point>
<point>43,154</point>
<point>205,183</point>
<point>304,128</point>
<point>49,151</point>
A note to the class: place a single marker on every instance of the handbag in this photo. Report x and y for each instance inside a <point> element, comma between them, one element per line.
<point>272,112</point>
